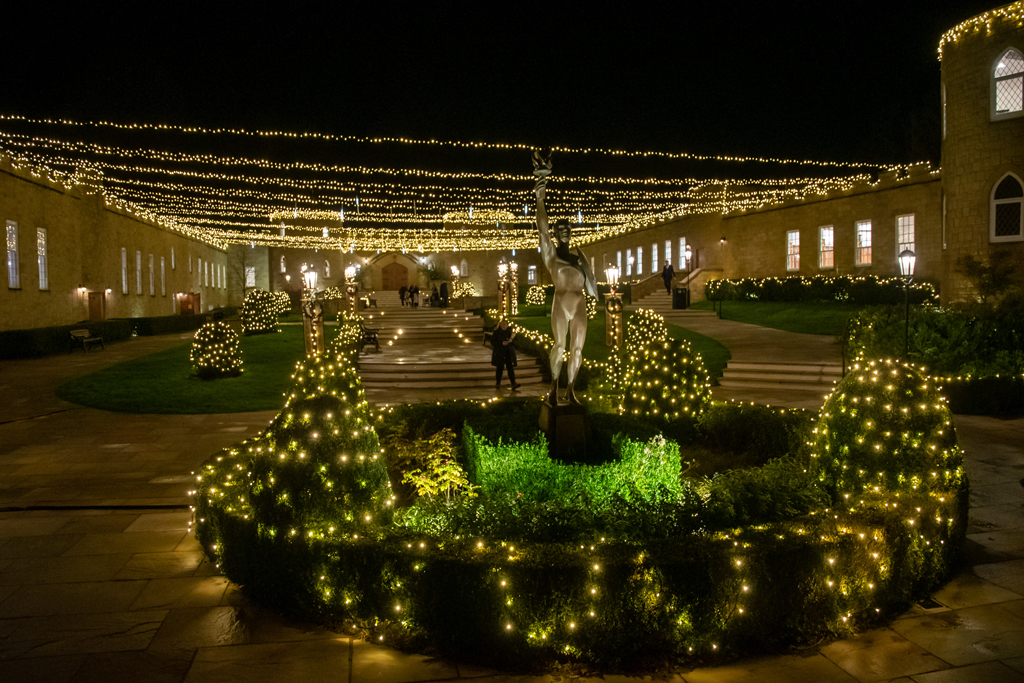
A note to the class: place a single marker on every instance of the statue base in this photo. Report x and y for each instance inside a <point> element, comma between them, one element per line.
<point>567,429</point>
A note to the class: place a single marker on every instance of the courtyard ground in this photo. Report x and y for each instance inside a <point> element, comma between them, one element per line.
<point>100,579</point>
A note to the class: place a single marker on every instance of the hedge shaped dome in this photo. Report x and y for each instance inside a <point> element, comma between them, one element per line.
<point>215,352</point>
<point>535,296</point>
<point>668,382</point>
<point>259,312</point>
<point>886,427</point>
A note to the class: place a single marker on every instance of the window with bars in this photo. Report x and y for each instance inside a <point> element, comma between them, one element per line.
<point>1007,211</point>
<point>905,234</point>
<point>42,259</point>
<point>531,275</point>
<point>826,247</point>
<point>124,270</point>
<point>862,252</point>
<point>1008,85</point>
<point>793,250</point>
<point>13,269</point>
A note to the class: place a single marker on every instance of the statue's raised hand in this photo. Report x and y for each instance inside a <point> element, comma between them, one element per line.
<point>541,164</point>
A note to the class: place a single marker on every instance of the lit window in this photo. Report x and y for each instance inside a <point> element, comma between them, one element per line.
<point>206,274</point>
<point>138,272</point>
<point>531,275</point>
<point>682,253</point>
<point>1007,217</point>
<point>152,277</point>
<point>905,234</point>
<point>463,268</point>
<point>618,262</point>
<point>629,262</point>
<point>863,250</point>
<point>793,250</point>
<point>190,263</point>
<point>163,278</point>
<point>41,259</point>
<point>173,266</point>
<point>13,271</point>
<point>250,276</point>
<point>327,267</point>
<point>124,270</point>
<point>284,268</point>
<point>826,247</point>
<point>1008,85</point>
<point>654,258</point>
<point>199,269</point>
<point>639,260</point>
<point>668,250</point>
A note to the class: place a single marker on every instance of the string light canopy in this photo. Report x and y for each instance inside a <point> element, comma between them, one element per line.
<point>335,192</point>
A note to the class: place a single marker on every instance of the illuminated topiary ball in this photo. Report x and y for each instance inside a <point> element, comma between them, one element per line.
<point>215,352</point>
<point>462,289</point>
<point>317,469</point>
<point>669,382</point>
<point>284,302</point>
<point>535,296</point>
<point>259,312</point>
<point>644,327</point>
<point>886,427</point>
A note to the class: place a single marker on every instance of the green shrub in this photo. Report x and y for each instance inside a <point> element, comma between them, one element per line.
<point>668,383</point>
<point>764,432</point>
<point>215,352</point>
<point>886,427</point>
<point>535,296</point>
<point>867,290</point>
<point>259,312</point>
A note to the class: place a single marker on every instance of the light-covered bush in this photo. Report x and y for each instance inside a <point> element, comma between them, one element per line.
<point>259,312</point>
<point>535,296</point>
<point>215,352</point>
<point>668,382</point>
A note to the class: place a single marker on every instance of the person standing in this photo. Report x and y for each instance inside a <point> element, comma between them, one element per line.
<point>401,293</point>
<point>414,296</point>
<point>444,295</point>
<point>667,275</point>
<point>503,354</point>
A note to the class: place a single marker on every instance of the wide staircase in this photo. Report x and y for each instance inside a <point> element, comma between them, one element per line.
<point>660,302</point>
<point>433,349</point>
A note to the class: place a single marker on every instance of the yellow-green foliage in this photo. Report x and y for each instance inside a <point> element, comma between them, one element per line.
<point>644,327</point>
<point>284,302</point>
<point>464,288</point>
<point>886,427</point>
<point>259,312</point>
<point>215,351</point>
<point>668,381</point>
<point>591,306</point>
<point>349,334</point>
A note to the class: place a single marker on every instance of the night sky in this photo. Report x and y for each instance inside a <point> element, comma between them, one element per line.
<point>852,81</point>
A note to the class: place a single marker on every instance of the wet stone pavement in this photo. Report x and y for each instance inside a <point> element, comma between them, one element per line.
<point>100,579</point>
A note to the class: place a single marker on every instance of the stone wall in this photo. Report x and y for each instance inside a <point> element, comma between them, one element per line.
<point>84,240</point>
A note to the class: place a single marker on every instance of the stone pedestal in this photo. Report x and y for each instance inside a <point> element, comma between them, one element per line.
<point>567,429</point>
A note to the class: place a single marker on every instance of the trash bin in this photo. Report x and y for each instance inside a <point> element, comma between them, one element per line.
<point>680,297</point>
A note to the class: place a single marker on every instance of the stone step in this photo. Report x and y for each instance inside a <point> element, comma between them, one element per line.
<point>757,384</point>
<point>460,384</point>
<point>382,367</point>
<point>442,378</point>
<point>830,370</point>
<point>779,378</point>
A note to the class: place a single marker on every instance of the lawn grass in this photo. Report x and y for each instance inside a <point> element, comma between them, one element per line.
<point>713,352</point>
<point>792,316</point>
<point>163,382</point>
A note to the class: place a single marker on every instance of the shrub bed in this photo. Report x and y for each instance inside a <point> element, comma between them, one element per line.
<point>865,290</point>
<point>610,569</point>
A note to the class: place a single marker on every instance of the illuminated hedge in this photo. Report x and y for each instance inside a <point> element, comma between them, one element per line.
<point>535,296</point>
<point>215,352</point>
<point>349,335</point>
<point>259,312</point>
<point>284,302</point>
<point>747,560</point>
<point>464,288</point>
<point>857,290</point>
<point>668,382</point>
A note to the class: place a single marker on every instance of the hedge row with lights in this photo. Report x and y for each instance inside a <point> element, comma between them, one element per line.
<point>215,352</point>
<point>857,290</point>
<point>259,312</point>
<point>792,551</point>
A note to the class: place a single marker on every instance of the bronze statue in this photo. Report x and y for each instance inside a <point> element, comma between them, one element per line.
<point>573,280</point>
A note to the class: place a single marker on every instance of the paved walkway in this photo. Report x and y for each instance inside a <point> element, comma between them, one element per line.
<point>100,579</point>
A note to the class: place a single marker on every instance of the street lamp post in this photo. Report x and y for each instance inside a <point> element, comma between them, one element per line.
<point>351,289</point>
<point>907,261</point>
<point>612,311</point>
<point>502,290</point>
<point>312,313</point>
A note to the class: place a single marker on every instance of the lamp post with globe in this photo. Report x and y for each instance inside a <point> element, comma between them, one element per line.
<point>907,260</point>
<point>312,312</point>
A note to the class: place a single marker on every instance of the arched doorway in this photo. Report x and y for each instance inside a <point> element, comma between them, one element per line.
<point>394,276</point>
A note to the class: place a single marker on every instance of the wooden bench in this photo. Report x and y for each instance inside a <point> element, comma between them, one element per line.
<point>368,335</point>
<point>85,339</point>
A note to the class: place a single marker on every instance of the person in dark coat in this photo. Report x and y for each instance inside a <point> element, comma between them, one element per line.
<point>444,295</point>
<point>503,354</point>
<point>414,296</point>
<point>401,293</point>
<point>435,298</point>
<point>667,275</point>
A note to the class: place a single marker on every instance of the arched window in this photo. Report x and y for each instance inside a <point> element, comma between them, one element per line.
<point>284,268</point>
<point>463,268</point>
<point>1006,221</point>
<point>1008,85</point>
<point>327,269</point>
